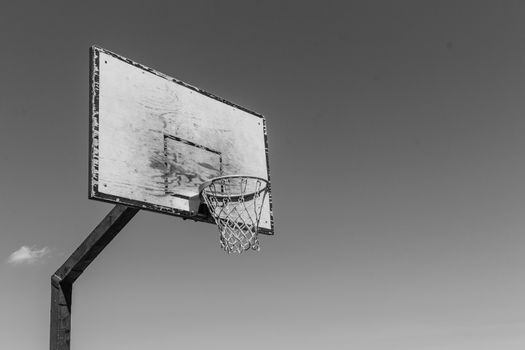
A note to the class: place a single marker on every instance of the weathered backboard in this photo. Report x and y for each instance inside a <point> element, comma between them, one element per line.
<point>155,139</point>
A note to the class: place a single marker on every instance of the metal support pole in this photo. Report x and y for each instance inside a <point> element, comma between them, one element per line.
<point>63,279</point>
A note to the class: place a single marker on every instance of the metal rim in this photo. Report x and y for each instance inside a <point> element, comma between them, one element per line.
<point>247,196</point>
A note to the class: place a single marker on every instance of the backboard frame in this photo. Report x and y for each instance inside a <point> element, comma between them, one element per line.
<point>96,194</point>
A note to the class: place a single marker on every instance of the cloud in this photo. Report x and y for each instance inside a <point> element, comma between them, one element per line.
<point>27,255</point>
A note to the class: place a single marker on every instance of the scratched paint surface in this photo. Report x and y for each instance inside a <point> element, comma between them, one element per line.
<point>188,165</point>
<point>158,140</point>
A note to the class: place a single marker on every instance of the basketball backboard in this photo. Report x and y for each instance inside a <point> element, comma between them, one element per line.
<point>154,139</point>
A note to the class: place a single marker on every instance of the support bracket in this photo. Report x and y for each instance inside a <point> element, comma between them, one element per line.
<point>63,279</point>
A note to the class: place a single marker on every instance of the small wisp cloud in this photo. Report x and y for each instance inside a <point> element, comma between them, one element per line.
<point>27,255</point>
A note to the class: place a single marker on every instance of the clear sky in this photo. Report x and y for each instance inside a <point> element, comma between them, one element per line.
<point>396,154</point>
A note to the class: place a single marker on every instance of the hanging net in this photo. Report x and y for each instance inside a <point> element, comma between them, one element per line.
<point>235,203</point>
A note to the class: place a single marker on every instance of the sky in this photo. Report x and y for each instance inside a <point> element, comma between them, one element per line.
<point>396,158</point>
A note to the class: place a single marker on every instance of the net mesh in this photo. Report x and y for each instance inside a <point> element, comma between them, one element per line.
<point>235,203</point>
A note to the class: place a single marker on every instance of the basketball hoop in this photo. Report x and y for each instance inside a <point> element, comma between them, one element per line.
<point>235,203</point>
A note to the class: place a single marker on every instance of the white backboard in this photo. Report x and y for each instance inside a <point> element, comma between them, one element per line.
<point>155,139</point>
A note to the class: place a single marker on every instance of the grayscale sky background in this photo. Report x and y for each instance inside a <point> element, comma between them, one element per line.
<point>397,160</point>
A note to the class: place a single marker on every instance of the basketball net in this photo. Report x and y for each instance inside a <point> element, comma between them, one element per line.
<point>235,203</point>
